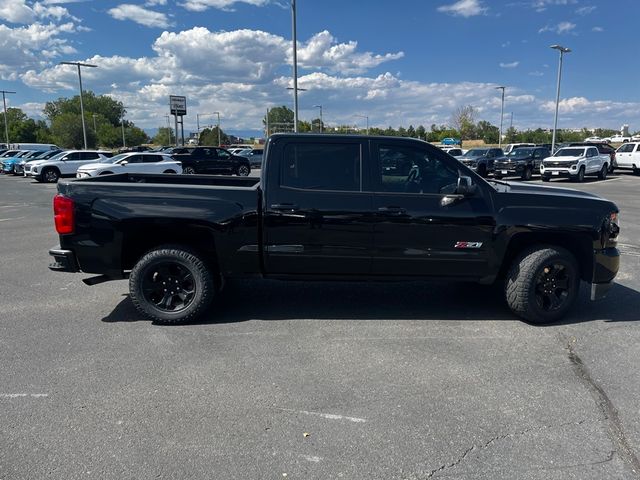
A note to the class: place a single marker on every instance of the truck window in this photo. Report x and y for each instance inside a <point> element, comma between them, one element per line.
<point>322,166</point>
<point>412,170</point>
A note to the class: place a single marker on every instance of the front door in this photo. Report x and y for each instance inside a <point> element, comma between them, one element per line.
<point>317,208</point>
<point>422,228</point>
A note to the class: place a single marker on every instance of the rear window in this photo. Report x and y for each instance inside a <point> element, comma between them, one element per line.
<point>322,166</point>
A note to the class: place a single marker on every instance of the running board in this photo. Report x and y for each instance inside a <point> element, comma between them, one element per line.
<point>101,279</point>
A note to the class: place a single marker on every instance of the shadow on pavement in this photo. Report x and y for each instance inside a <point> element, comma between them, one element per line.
<point>273,300</point>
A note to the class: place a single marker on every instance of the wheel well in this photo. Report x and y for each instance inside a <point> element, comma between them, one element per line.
<point>580,245</point>
<point>51,167</point>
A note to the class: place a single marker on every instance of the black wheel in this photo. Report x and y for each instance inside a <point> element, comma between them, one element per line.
<point>580,176</point>
<point>603,173</point>
<point>171,284</point>
<point>106,173</point>
<point>189,171</point>
<point>545,178</point>
<point>527,173</point>
<point>243,171</point>
<point>50,175</point>
<point>542,284</point>
<point>482,171</point>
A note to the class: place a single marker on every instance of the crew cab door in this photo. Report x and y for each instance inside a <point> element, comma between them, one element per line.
<point>317,210</point>
<point>422,228</point>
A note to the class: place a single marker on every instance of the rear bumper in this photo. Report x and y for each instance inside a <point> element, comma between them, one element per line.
<point>63,260</point>
<point>605,268</point>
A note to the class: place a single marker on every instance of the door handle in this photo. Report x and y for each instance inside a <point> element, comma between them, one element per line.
<point>392,210</point>
<point>284,207</point>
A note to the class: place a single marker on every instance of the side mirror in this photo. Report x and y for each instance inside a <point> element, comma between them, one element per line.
<point>124,163</point>
<point>465,186</point>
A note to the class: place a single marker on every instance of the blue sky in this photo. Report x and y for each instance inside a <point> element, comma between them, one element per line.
<point>402,62</point>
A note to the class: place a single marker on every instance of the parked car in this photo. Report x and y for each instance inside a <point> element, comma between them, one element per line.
<point>618,138</point>
<point>451,141</point>
<point>508,148</point>
<point>18,168</point>
<point>316,216</point>
<point>9,153</point>
<point>8,163</point>
<point>628,157</point>
<point>575,163</point>
<point>603,148</point>
<point>636,137</point>
<point>65,164</point>
<point>482,160</point>
<point>132,162</point>
<point>453,151</point>
<point>213,160</point>
<point>594,139</point>
<point>254,156</point>
<point>523,161</point>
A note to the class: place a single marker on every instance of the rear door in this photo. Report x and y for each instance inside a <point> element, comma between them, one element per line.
<point>625,154</point>
<point>317,212</point>
<point>69,163</point>
<point>417,232</point>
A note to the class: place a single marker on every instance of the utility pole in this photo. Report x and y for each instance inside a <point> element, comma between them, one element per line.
<point>501,115</point>
<point>6,125</point>
<point>218,113</point>
<point>320,107</point>
<point>124,143</point>
<point>168,117</point>
<point>78,64</point>
<point>295,66</point>
<point>562,51</point>
<point>367,118</point>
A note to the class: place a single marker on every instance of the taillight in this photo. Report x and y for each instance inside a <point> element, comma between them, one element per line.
<point>63,214</point>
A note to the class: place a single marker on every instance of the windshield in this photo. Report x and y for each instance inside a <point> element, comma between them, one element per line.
<point>570,152</point>
<point>116,158</point>
<point>10,153</point>
<point>476,152</point>
<point>520,152</point>
<point>34,154</point>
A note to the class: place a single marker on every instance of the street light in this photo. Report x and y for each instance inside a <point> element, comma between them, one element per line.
<point>6,125</point>
<point>562,51</point>
<point>78,64</point>
<point>124,143</point>
<point>367,117</point>
<point>295,66</point>
<point>501,116</point>
<point>320,107</point>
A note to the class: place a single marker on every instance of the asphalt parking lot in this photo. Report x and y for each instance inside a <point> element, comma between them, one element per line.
<point>311,381</point>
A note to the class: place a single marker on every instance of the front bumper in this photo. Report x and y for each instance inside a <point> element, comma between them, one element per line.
<point>606,263</point>
<point>508,169</point>
<point>64,260</point>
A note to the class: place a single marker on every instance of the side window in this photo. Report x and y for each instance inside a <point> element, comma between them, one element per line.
<point>222,153</point>
<point>134,159</point>
<point>73,156</point>
<point>414,170</point>
<point>89,156</point>
<point>151,158</point>
<point>322,166</point>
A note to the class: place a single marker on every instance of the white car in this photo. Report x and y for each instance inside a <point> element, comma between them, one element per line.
<point>510,147</point>
<point>65,164</point>
<point>617,138</point>
<point>133,162</point>
<point>628,157</point>
<point>453,151</point>
<point>575,163</point>
<point>594,139</point>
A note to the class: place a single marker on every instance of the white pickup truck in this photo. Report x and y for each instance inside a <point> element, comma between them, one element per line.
<point>575,163</point>
<point>628,157</point>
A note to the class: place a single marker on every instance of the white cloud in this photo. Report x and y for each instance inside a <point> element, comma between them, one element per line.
<point>138,14</point>
<point>202,5</point>
<point>153,3</point>
<point>560,29</point>
<point>18,11</point>
<point>464,8</point>
<point>536,73</point>
<point>597,29</point>
<point>541,5</point>
<point>586,10</point>
<point>509,65</point>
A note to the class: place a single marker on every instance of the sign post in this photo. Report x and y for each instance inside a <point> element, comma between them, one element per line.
<point>178,108</point>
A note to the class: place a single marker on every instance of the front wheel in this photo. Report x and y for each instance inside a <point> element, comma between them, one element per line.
<point>189,171</point>
<point>542,284</point>
<point>580,176</point>
<point>243,171</point>
<point>50,175</point>
<point>171,284</point>
<point>545,178</point>
<point>527,173</point>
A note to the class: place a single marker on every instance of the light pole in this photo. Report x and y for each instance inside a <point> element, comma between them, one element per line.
<point>168,117</point>
<point>367,117</point>
<point>320,107</point>
<point>562,51</point>
<point>95,129</point>
<point>78,64</point>
<point>124,143</point>
<point>295,66</point>
<point>6,125</point>
<point>501,115</point>
<point>218,114</point>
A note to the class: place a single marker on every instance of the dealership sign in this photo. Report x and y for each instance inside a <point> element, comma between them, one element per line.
<point>177,105</point>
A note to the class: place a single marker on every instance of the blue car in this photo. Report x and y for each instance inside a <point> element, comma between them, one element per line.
<point>18,167</point>
<point>9,161</point>
<point>451,141</point>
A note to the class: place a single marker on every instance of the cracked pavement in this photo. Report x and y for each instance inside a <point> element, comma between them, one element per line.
<point>315,381</point>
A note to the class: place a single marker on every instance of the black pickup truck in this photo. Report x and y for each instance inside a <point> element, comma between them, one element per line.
<point>214,160</point>
<point>336,208</point>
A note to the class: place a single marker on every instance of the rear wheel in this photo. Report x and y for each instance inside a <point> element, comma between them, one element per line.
<point>171,284</point>
<point>603,173</point>
<point>243,171</point>
<point>542,284</point>
<point>50,175</point>
<point>189,171</point>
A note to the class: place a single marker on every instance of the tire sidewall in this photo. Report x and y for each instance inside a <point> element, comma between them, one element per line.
<point>243,171</point>
<point>47,180</point>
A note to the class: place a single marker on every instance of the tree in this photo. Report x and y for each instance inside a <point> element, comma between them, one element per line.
<point>280,120</point>
<point>165,136</point>
<point>135,135</point>
<point>487,132</point>
<point>66,129</point>
<point>103,105</point>
<point>463,119</point>
<point>209,136</point>
<point>421,132</point>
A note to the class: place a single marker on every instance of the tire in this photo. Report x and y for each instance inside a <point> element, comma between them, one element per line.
<point>482,171</point>
<point>580,177</point>
<point>243,171</point>
<point>189,171</point>
<point>545,178</point>
<point>527,173</point>
<point>50,175</point>
<point>542,284</point>
<point>603,173</point>
<point>177,267</point>
<point>105,173</point>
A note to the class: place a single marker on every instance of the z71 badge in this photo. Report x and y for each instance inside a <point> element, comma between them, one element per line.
<point>468,245</point>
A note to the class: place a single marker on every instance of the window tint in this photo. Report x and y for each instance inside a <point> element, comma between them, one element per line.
<point>73,156</point>
<point>413,170</point>
<point>222,153</point>
<point>151,158</point>
<point>322,166</point>
<point>134,159</point>
<point>89,155</point>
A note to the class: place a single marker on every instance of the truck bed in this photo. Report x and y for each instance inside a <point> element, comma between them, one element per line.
<point>208,180</point>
